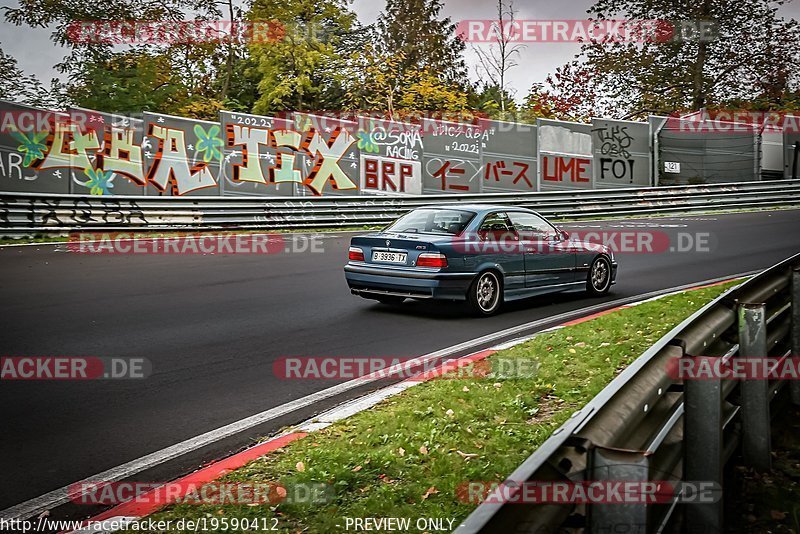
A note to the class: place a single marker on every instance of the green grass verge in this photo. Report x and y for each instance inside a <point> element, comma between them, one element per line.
<point>407,456</point>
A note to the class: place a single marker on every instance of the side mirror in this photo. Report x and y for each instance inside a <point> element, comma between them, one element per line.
<point>564,234</point>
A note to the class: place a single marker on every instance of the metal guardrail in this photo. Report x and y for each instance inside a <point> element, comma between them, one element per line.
<point>647,425</point>
<point>25,213</point>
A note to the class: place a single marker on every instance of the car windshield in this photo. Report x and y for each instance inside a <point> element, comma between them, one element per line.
<point>432,221</point>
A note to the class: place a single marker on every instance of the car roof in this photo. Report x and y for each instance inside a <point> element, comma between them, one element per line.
<point>477,208</point>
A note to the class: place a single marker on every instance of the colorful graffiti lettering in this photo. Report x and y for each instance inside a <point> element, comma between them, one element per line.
<point>325,156</point>
<point>171,163</point>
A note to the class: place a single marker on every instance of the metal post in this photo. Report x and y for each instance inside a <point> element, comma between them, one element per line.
<point>755,395</point>
<point>628,466</point>
<point>794,160</point>
<point>795,385</point>
<point>703,453</point>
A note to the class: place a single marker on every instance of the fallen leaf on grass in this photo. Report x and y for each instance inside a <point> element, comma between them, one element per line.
<point>423,450</point>
<point>301,467</point>
<point>430,492</point>
<point>401,451</point>
<point>466,455</point>
<point>357,468</point>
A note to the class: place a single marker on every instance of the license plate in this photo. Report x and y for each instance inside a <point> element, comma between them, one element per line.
<point>390,257</point>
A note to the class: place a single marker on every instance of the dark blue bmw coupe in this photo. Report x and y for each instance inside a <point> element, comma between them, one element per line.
<point>481,254</point>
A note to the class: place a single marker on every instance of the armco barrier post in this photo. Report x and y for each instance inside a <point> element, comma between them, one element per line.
<point>703,455</point>
<point>755,393</point>
<point>795,385</point>
<point>628,466</point>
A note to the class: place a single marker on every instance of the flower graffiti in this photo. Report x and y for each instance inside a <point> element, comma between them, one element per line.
<point>32,146</point>
<point>100,182</point>
<point>209,144</point>
<point>367,143</point>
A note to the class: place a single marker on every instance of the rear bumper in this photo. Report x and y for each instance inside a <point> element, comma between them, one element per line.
<point>371,282</point>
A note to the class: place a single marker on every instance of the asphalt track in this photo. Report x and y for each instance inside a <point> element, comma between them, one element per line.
<point>212,325</point>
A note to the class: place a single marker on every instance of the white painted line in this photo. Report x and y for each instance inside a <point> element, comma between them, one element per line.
<point>514,342</point>
<point>49,500</point>
<point>364,403</point>
<point>312,427</point>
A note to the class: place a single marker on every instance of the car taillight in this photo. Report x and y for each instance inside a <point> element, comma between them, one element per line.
<point>356,254</point>
<point>432,260</point>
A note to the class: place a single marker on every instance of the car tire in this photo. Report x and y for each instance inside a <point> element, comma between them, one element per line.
<point>598,280</point>
<point>485,295</point>
<point>390,300</point>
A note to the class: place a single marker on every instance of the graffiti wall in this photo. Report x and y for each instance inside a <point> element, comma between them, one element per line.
<point>117,166</point>
<point>452,162</point>
<point>621,153</point>
<point>261,156</point>
<point>509,157</point>
<point>391,157</point>
<point>27,137</point>
<point>82,151</point>
<point>565,156</point>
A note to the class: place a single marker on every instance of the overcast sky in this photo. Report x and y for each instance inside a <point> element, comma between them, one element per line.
<point>36,54</point>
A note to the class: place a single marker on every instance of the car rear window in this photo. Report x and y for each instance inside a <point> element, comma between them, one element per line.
<point>432,221</point>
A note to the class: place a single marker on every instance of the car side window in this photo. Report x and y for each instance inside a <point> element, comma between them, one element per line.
<point>531,226</point>
<point>496,226</point>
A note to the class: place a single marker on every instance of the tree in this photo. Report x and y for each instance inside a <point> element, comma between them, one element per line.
<point>494,102</point>
<point>501,55</point>
<point>753,53</point>
<point>373,81</point>
<point>414,29</point>
<point>298,68</point>
<point>569,94</point>
<point>16,86</point>
<point>128,82</point>
<point>426,91</point>
<point>378,82</point>
<point>168,77</point>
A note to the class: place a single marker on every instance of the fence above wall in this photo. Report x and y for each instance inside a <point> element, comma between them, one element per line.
<point>28,213</point>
